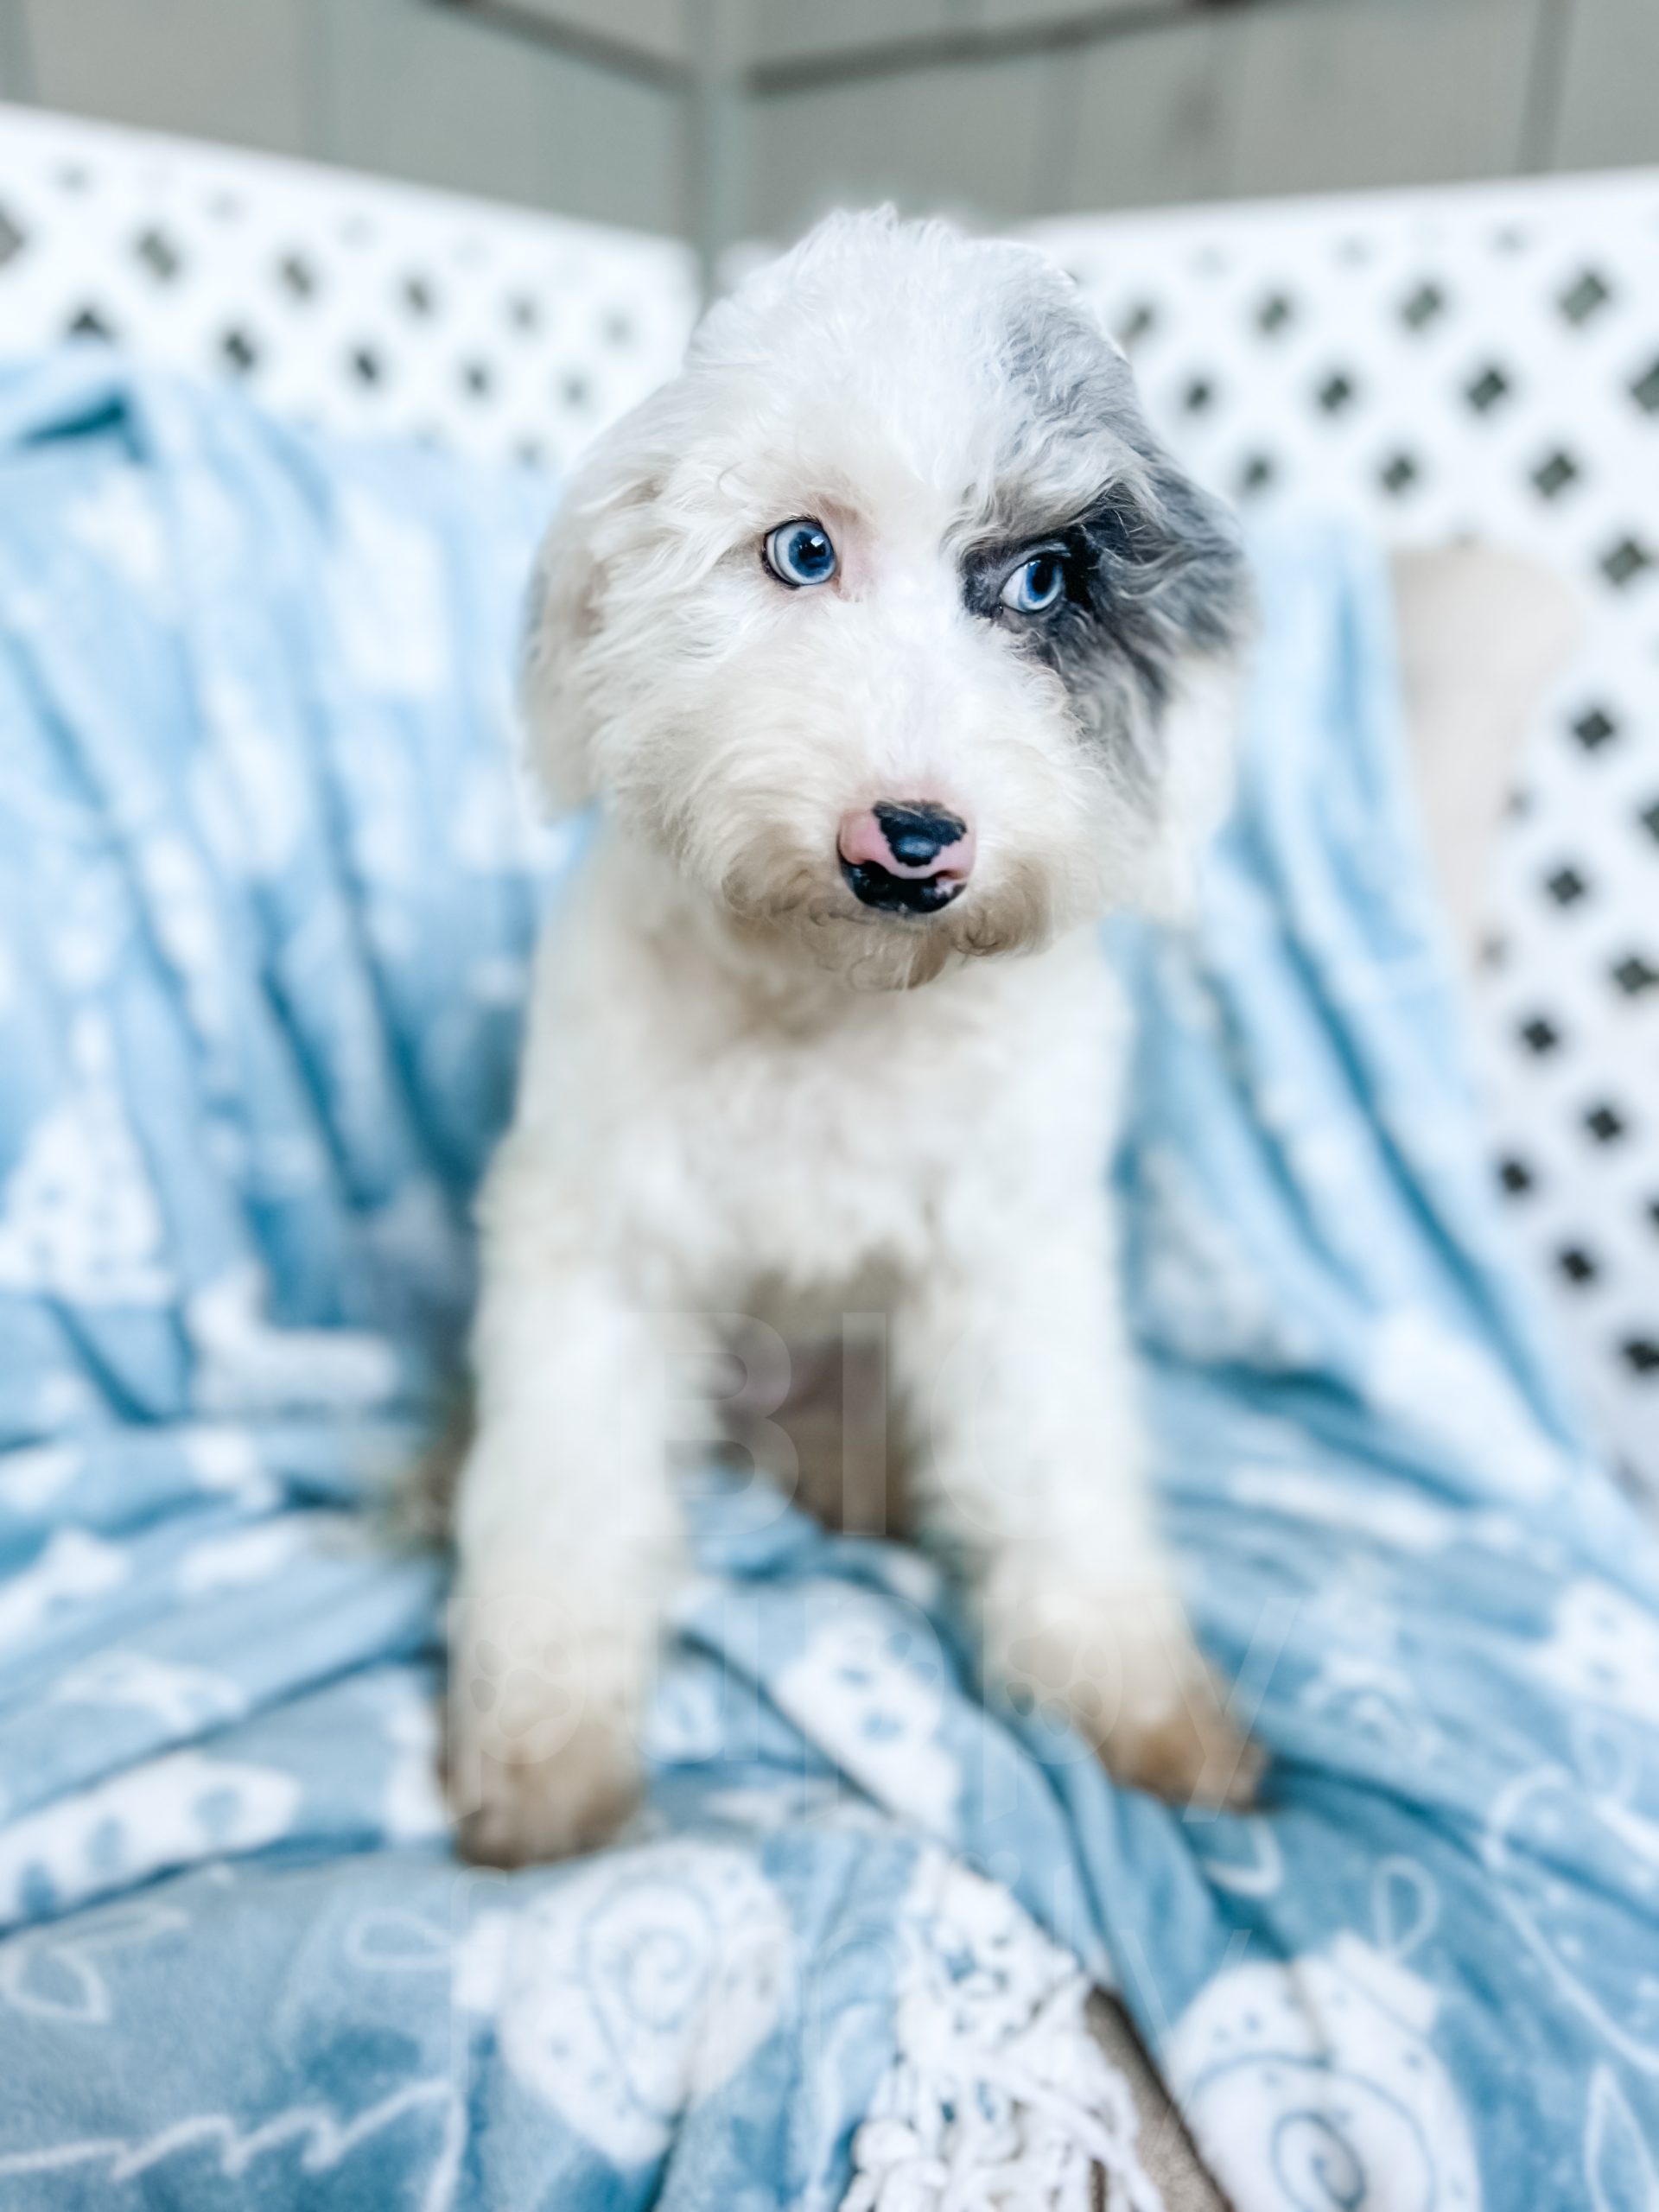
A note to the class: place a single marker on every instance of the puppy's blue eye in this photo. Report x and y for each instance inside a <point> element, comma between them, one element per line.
<point>801,553</point>
<point>1038,586</point>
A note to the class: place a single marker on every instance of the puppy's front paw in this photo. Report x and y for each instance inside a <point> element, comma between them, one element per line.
<point>556,1808</point>
<point>541,1757</point>
<point>1118,1663</point>
<point>1174,1737</point>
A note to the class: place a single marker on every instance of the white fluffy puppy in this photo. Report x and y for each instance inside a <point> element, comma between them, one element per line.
<point>887,637</point>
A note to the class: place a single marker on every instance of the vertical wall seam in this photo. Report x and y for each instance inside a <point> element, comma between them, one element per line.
<point>16,53</point>
<point>1546,88</point>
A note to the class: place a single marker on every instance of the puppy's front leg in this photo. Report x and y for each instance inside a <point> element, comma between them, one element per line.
<point>569,1541</point>
<point>1013,1358</point>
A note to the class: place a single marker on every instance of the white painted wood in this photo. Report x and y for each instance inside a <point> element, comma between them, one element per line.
<point>363,306</point>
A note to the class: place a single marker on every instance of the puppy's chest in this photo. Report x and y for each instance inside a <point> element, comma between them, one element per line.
<point>808,1164</point>
<point>841,1156</point>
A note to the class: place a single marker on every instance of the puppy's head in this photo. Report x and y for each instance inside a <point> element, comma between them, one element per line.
<point>888,622</point>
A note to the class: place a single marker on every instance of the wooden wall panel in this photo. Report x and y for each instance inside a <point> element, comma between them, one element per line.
<point>229,69</point>
<point>16,63</point>
<point>1039,15</point>
<point>428,93</point>
<point>1606,110</point>
<point>1156,116</point>
<point>969,137</point>
<point>1063,111</point>
<point>791,30</point>
<point>1356,92</point>
<point>654,27</point>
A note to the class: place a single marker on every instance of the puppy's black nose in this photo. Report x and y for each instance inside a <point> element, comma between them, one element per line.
<point>917,834</point>
<point>904,859</point>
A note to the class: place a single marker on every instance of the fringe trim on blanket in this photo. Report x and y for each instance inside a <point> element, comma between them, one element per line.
<point>1000,2099</point>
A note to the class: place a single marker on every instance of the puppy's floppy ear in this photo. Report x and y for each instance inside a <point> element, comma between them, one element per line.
<point>566,614</point>
<point>560,610</point>
<point>1195,788</point>
<point>1203,605</point>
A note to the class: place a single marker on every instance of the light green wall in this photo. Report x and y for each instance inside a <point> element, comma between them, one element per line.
<point>999,109</point>
<point>1080,108</point>
<point>426,91</point>
<point>224,68</point>
<point>410,88</point>
<point>1608,104</point>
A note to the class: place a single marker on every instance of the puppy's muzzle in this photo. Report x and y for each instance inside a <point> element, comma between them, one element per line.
<point>904,858</point>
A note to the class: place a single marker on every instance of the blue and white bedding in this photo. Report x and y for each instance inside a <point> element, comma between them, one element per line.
<point>266,898</point>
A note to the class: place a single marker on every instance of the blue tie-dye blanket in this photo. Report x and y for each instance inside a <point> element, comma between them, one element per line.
<point>266,897</point>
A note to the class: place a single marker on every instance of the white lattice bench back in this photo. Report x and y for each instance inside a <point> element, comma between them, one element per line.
<point>1479,361</point>
<point>352,304</point>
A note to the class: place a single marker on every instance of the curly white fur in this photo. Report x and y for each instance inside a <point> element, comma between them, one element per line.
<point>746,1091</point>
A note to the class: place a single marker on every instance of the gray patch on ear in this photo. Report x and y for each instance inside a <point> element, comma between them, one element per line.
<point>1155,571</point>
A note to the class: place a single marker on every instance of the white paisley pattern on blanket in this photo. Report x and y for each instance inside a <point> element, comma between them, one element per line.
<point>634,1988</point>
<point>1313,2086</point>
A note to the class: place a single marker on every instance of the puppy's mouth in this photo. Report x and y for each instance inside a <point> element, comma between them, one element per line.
<point>885,920</point>
<point>872,885</point>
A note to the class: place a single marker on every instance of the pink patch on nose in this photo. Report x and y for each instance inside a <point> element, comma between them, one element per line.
<point>864,842</point>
